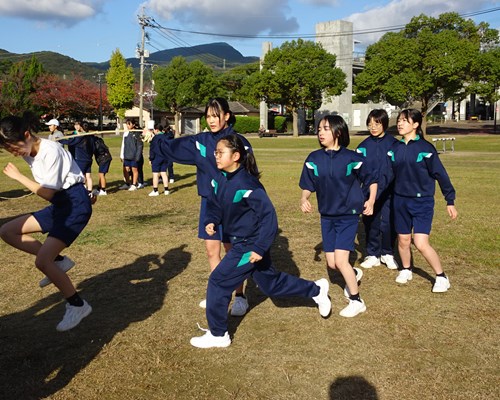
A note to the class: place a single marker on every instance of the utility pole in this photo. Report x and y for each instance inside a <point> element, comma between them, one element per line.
<point>99,77</point>
<point>143,21</point>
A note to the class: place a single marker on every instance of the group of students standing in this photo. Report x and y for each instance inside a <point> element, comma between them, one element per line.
<point>390,183</point>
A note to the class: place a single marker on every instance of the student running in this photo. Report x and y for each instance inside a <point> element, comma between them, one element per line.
<point>240,204</point>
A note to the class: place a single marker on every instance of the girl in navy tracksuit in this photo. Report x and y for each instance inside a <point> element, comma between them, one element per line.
<point>417,167</point>
<point>379,227</point>
<point>336,174</point>
<point>240,204</point>
<point>159,164</point>
<point>82,150</point>
<point>199,150</point>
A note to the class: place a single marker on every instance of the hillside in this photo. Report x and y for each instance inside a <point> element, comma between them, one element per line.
<point>217,55</point>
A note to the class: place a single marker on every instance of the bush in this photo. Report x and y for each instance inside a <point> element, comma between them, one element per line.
<point>246,124</point>
<point>280,123</point>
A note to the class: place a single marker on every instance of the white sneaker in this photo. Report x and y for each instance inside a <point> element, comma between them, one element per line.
<point>370,262</point>
<point>154,193</point>
<point>359,275</point>
<point>73,316</point>
<point>389,261</point>
<point>208,340</point>
<point>354,308</point>
<point>64,265</point>
<point>132,188</point>
<point>322,299</point>
<point>124,187</point>
<point>404,276</point>
<point>166,193</point>
<point>240,306</point>
<point>102,193</point>
<point>141,185</point>
<point>203,303</point>
<point>441,285</point>
<point>171,181</point>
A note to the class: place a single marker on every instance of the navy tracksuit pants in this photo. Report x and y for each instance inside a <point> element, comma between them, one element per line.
<point>232,272</point>
<point>379,228</point>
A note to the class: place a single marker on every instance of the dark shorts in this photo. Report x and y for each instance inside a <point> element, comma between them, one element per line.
<point>339,233</point>
<point>85,166</point>
<point>413,212</point>
<point>68,214</point>
<point>202,234</point>
<point>104,167</point>
<point>130,163</point>
<point>159,166</point>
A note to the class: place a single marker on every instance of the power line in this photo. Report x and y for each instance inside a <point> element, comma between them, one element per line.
<point>312,35</point>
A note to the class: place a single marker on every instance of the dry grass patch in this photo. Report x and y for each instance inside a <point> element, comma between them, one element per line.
<point>144,271</point>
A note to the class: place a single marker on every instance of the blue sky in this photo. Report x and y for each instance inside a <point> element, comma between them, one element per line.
<point>89,30</point>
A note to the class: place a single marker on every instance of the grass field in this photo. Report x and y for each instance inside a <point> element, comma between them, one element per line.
<point>141,267</point>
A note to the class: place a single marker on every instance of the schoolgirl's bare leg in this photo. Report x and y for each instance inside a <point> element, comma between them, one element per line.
<point>45,263</point>
<point>404,248</point>
<point>340,260</point>
<point>88,181</point>
<point>164,179</point>
<point>423,245</point>
<point>17,234</point>
<point>155,180</point>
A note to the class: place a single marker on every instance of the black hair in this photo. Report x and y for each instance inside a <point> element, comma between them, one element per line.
<point>220,107</point>
<point>415,116</point>
<point>339,129</point>
<point>379,116</point>
<point>247,159</point>
<point>13,128</point>
<point>159,127</point>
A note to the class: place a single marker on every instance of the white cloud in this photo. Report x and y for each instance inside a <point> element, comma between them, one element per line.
<point>400,12</point>
<point>249,17</point>
<point>64,12</point>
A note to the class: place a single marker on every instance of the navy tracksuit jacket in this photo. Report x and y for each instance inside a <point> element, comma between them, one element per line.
<point>241,205</point>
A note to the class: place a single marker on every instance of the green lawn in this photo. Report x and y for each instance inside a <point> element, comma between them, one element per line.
<point>141,267</point>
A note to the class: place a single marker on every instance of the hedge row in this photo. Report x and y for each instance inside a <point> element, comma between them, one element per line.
<point>252,124</point>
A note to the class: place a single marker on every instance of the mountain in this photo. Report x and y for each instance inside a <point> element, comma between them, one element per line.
<point>217,55</point>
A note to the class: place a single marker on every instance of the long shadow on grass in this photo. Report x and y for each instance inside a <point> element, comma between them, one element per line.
<point>37,361</point>
<point>352,388</point>
<point>283,261</point>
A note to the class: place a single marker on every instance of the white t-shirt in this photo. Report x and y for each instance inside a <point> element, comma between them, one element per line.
<point>53,167</point>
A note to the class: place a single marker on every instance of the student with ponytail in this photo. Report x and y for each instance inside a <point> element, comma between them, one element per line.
<point>199,150</point>
<point>59,180</point>
<point>240,205</point>
<point>416,168</point>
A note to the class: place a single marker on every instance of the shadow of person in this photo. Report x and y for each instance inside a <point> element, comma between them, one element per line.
<point>352,388</point>
<point>37,361</point>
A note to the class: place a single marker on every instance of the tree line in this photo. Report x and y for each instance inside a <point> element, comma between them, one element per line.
<point>447,57</point>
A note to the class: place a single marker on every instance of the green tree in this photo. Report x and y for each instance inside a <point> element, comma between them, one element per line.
<point>234,81</point>
<point>181,84</point>
<point>120,84</point>
<point>486,75</point>
<point>299,75</point>
<point>18,86</point>
<point>431,59</point>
